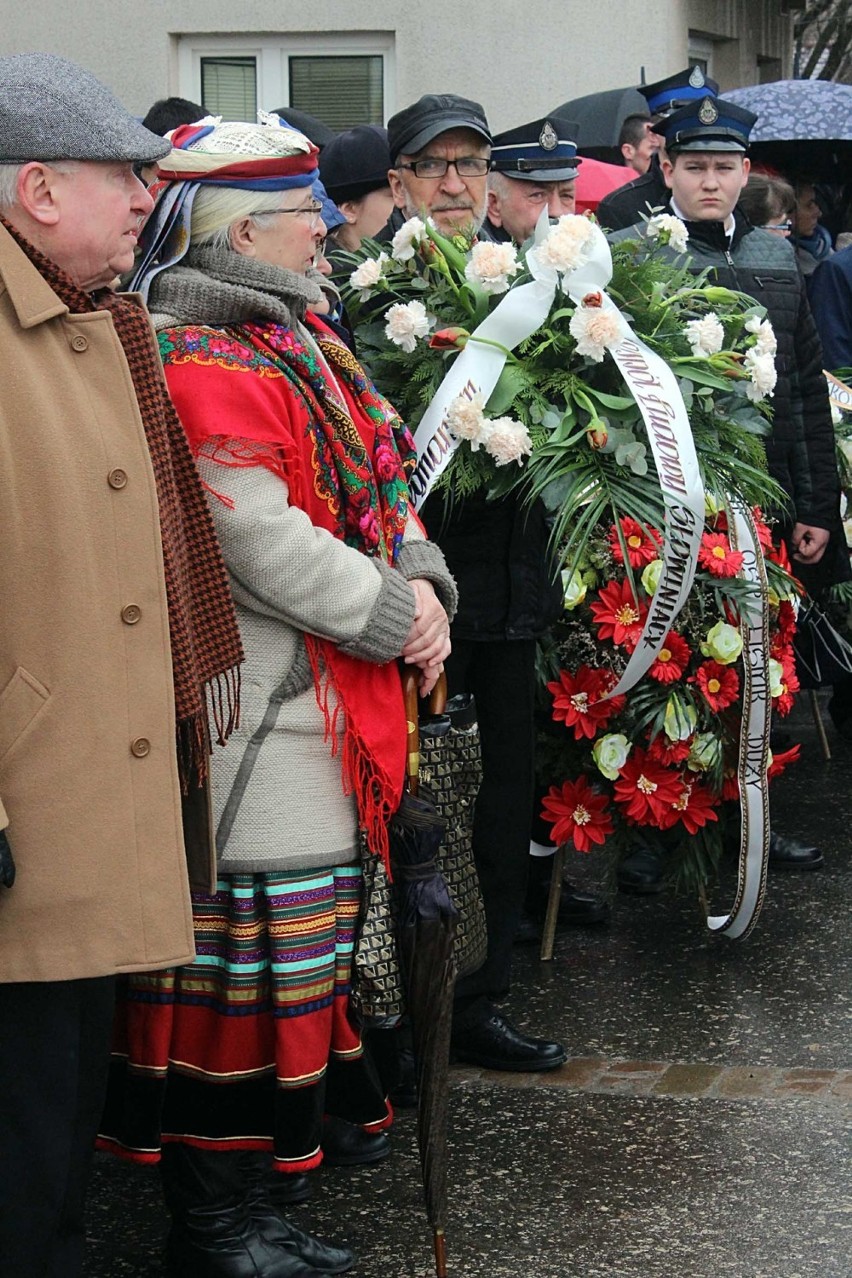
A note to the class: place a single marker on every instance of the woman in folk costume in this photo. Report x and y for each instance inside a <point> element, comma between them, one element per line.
<point>227,1061</point>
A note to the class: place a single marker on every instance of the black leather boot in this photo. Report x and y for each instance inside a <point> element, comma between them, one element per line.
<point>278,1232</point>
<point>213,1233</point>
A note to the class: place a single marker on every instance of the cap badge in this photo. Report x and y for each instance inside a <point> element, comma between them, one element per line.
<point>707,112</point>
<point>548,139</point>
<point>696,78</point>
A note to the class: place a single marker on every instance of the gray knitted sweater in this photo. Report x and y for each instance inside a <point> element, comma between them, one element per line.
<point>277,788</point>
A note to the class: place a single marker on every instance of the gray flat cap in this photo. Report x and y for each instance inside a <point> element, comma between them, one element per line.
<point>51,109</point>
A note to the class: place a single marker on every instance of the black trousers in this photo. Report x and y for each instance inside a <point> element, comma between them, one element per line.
<point>54,1055</point>
<point>501,677</point>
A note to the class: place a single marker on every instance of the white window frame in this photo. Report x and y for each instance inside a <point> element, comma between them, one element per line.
<point>702,50</point>
<point>272,53</point>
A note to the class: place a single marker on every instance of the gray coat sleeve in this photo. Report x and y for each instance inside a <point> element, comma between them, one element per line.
<point>282,565</point>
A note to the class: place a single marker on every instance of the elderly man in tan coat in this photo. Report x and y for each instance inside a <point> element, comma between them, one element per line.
<point>115,616</point>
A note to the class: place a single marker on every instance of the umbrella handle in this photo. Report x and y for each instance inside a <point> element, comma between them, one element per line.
<point>437,703</point>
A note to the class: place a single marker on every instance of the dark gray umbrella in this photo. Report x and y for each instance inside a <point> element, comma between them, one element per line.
<point>803,128</point>
<point>426,920</point>
<point>600,117</point>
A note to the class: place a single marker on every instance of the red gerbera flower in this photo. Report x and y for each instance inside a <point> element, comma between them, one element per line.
<point>782,761</point>
<point>577,814</point>
<point>730,786</point>
<point>694,807</point>
<point>672,659</point>
<point>618,614</point>
<point>661,750</point>
<point>717,558</point>
<point>645,789</point>
<point>764,532</point>
<point>718,684</point>
<point>643,545</point>
<point>786,619</point>
<point>577,700</point>
<point>783,704</point>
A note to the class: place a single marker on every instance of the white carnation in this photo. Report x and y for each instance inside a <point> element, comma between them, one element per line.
<point>406,322</point>
<point>366,276</point>
<point>465,419</point>
<point>407,237</point>
<point>706,336</point>
<point>762,373</point>
<point>594,329</point>
<point>491,265</point>
<point>567,244</point>
<point>507,441</point>
<point>669,229</point>
<point>766,343</point>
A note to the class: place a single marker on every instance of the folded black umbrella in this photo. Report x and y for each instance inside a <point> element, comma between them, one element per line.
<point>426,922</point>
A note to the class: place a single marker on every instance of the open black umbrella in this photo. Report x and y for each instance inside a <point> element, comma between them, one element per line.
<point>426,926</point>
<point>600,117</point>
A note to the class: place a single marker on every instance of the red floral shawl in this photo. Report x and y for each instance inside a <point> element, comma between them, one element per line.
<point>345,459</point>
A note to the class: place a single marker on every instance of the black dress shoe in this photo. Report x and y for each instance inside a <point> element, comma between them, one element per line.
<point>790,854</point>
<point>492,1042</point>
<point>319,1256</point>
<point>641,873</point>
<point>288,1188</point>
<point>347,1145</point>
<point>528,931</point>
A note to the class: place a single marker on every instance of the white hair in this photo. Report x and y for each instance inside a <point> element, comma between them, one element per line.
<point>499,183</point>
<point>216,208</point>
<point>9,174</point>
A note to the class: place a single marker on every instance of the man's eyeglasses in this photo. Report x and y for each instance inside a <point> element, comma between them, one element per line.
<point>313,212</point>
<point>778,226</point>
<point>434,167</point>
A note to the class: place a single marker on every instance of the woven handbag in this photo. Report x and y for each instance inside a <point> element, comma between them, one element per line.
<point>445,755</point>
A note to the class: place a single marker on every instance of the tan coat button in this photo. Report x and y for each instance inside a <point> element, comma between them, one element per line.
<point>117,478</point>
<point>131,614</point>
<point>79,342</point>
<point>140,747</point>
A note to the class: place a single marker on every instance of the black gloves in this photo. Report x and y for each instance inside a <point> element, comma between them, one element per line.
<point>7,862</point>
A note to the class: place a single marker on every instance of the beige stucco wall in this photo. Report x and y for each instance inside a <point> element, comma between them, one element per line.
<point>519,57</point>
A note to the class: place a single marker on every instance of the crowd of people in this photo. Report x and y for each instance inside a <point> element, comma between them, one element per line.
<point>212,570</point>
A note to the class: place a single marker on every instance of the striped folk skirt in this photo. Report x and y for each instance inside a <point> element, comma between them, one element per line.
<point>248,1046</point>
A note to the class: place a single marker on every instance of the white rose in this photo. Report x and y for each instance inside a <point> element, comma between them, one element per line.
<point>776,678</point>
<point>491,265</point>
<point>406,322</point>
<point>706,336</point>
<point>567,244</point>
<point>762,373</point>
<point>705,751</point>
<point>669,230</point>
<point>408,235</point>
<point>679,719</point>
<point>507,441</point>
<point>573,589</point>
<point>594,329</point>
<point>651,574</point>
<point>610,754</point>
<point>366,276</point>
<point>466,420</point>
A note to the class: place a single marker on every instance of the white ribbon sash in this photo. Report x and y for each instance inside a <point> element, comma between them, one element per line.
<point>476,370</point>
<point>754,736</point>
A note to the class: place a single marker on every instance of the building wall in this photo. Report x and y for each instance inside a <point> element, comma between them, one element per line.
<point>518,57</point>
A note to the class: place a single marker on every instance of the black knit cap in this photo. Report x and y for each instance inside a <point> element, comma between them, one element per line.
<point>435,113</point>
<point>356,162</point>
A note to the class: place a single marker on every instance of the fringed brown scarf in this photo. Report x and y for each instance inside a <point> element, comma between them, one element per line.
<point>205,640</point>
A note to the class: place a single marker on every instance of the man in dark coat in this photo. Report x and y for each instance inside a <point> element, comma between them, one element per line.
<point>497,552</point>
<point>705,169</point>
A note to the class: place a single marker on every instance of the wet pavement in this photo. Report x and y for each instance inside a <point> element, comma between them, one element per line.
<point>701,1126</point>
